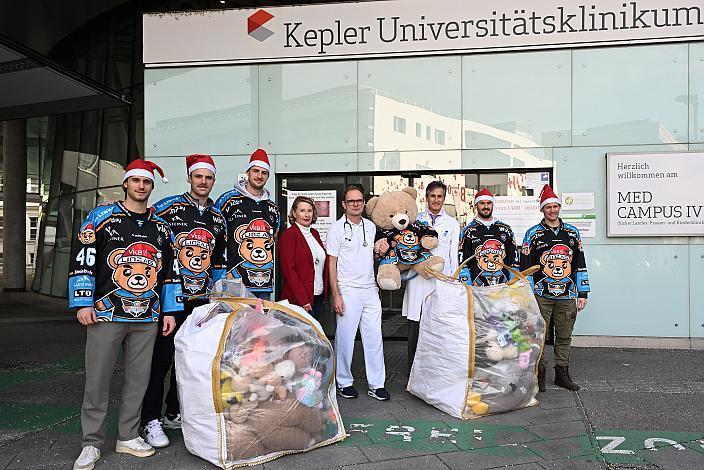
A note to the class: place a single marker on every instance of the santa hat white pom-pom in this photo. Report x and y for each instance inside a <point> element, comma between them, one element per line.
<point>164,179</point>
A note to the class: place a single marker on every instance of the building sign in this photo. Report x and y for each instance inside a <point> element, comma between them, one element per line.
<point>655,194</point>
<point>406,27</point>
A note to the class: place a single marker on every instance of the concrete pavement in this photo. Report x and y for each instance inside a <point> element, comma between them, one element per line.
<point>641,409</point>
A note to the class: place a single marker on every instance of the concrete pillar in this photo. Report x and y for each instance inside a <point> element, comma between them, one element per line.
<point>14,240</point>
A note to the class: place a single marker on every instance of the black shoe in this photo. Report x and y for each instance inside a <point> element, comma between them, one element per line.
<point>563,379</point>
<point>347,392</point>
<point>380,394</point>
<point>541,379</point>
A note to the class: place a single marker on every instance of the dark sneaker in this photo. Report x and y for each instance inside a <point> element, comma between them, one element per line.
<point>347,392</point>
<point>380,394</point>
<point>172,421</point>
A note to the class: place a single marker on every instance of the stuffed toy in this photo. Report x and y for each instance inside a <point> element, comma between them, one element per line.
<point>233,387</point>
<point>241,442</point>
<point>300,356</point>
<point>307,389</point>
<point>410,241</point>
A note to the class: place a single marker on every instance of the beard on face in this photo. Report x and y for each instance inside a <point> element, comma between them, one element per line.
<point>485,213</point>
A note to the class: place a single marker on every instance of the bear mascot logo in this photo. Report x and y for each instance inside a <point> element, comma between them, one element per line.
<point>557,267</point>
<point>256,243</point>
<point>490,257</point>
<point>87,234</point>
<point>195,249</point>
<point>135,270</point>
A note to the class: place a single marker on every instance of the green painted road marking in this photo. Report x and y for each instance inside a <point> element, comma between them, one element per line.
<point>26,417</point>
<point>612,446</point>
<point>13,378</point>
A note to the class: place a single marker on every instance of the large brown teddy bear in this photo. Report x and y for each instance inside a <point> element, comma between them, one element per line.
<point>410,241</point>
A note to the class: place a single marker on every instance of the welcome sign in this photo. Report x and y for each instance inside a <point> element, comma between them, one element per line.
<point>408,27</point>
<point>655,194</point>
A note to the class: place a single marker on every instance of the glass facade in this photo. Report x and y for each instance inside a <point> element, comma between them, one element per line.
<point>473,120</point>
<point>82,159</point>
<point>558,111</point>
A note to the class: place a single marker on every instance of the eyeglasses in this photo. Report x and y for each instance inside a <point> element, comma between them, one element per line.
<point>354,202</point>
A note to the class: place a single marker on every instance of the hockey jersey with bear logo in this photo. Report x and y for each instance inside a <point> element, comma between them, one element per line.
<point>200,240</point>
<point>563,269</point>
<point>489,245</point>
<point>252,225</point>
<point>123,266</point>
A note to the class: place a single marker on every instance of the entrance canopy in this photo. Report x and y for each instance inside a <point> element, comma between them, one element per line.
<point>32,85</point>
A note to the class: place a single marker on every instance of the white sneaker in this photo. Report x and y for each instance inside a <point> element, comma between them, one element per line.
<point>86,461</point>
<point>136,447</point>
<point>154,434</point>
<point>174,423</point>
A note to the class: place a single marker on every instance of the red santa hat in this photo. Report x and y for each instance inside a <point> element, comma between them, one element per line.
<point>141,253</point>
<point>145,169</point>
<point>88,228</point>
<point>484,195</point>
<point>259,158</point>
<point>559,251</point>
<point>547,196</point>
<point>258,228</point>
<point>197,162</point>
<point>491,247</point>
<point>199,237</point>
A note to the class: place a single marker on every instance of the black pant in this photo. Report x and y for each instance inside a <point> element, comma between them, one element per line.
<point>413,330</point>
<point>162,362</point>
<point>317,307</point>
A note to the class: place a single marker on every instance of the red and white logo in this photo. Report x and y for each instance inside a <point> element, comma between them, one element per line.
<point>255,25</point>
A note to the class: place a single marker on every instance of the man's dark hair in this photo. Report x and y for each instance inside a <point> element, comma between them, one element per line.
<point>435,184</point>
<point>353,187</point>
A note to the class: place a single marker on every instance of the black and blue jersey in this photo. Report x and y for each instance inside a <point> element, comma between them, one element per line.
<point>200,240</point>
<point>558,252</point>
<point>123,266</point>
<point>252,226</point>
<point>490,245</point>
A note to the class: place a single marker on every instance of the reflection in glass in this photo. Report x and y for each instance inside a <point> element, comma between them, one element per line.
<point>308,108</point>
<point>62,246</point>
<point>516,100</point>
<point>113,157</point>
<point>411,160</point>
<point>696,92</point>
<point>137,134</point>
<point>121,53</point>
<point>208,110</point>
<point>45,258</point>
<point>420,90</point>
<point>111,194</point>
<point>629,95</point>
<point>507,158</point>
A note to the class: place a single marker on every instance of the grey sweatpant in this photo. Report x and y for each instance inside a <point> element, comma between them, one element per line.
<point>103,343</point>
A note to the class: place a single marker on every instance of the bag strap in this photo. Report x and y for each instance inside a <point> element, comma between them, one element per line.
<point>456,274</point>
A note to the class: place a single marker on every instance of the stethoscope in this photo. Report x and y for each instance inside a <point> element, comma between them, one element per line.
<point>364,231</point>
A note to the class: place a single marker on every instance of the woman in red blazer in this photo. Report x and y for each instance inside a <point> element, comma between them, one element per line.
<point>303,259</point>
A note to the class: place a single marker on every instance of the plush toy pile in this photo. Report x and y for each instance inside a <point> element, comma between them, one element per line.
<point>264,388</point>
<point>478,349</point>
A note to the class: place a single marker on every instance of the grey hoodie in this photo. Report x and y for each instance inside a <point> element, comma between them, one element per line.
<point>241,186</point>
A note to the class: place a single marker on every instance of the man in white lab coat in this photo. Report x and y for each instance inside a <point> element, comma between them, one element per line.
<point>418,288</point>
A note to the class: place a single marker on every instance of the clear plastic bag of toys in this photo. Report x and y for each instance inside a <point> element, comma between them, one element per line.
<point>256,381</point>
<point>478,349</point>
